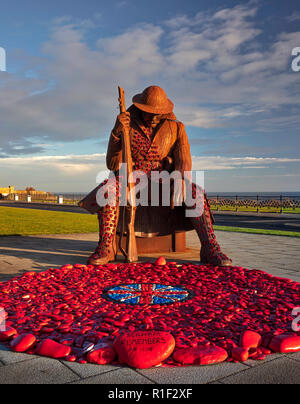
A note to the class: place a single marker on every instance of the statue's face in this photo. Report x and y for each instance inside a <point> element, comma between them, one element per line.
<point>151,119</point>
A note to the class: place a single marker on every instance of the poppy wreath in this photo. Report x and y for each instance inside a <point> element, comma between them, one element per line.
<point>117,313</point>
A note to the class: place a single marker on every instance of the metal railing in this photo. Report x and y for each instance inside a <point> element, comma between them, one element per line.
<point>257,203</point>
<point>233,203</point>
<point>66,199</point>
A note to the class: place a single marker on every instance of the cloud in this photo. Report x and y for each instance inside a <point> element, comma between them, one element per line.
<point>212,65</point>
<point>53,173</point>
<point>82,101</point>
<point>295,16</point>
<point>71,165</point>
<point>233,163</point>
<point>81,161</point>
<point>122,4</point>
<point>79,173</point>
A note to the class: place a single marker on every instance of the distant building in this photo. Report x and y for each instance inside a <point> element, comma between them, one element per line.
<point>29,192</point>
<point>10,193</point>
<point>7,191</point>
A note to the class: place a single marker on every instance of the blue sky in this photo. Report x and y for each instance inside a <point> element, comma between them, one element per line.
<point>225,64</point>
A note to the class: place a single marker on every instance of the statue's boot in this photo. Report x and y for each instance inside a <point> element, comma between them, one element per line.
<point>210,249</point>
<point>106,250</point>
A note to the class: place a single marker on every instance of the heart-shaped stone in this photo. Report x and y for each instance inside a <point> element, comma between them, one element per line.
<point>144,349</point>
<point>250,339</point>
<point>200,355</point>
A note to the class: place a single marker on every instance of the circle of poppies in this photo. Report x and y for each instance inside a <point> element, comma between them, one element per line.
<point>76,304</point>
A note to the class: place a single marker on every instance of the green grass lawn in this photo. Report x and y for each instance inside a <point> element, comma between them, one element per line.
<point>258,231</point>
<point>17,221</point>
<point>24,222</point>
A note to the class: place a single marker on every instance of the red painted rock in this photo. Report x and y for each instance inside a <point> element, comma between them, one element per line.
<point>240,354</point>
<point>102,355</point>
<point>66,267</point>
<point>285,343</point>
<point>259,357</point>
<point>253,352</point>
<point>144,349</point>
<point>71,358</point>
<point>161,261</point>
<point>7,334</point>
<point>23,342</point>
<point>200,355</point>
<point>250,339</point>
<point>53,349</point>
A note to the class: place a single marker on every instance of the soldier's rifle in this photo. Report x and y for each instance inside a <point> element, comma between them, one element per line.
<point>127,213</point>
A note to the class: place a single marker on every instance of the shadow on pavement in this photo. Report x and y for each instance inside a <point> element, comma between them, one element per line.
<point>23,254</point>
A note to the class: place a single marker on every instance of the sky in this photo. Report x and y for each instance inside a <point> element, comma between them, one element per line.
<point>226,65</point>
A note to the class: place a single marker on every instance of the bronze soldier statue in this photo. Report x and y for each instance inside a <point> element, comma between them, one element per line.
<point>158,142</point>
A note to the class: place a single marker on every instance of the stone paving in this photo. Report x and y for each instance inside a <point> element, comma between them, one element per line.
<point>276,255</point>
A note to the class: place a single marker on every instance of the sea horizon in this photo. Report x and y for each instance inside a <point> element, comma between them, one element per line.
<point>212,194</point>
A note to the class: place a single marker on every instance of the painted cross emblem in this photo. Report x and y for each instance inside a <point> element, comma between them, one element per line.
<point>146,293</point>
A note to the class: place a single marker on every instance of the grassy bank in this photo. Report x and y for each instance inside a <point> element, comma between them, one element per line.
<point>24,222</point>
<point>17,221</point>
<point>258,231</point>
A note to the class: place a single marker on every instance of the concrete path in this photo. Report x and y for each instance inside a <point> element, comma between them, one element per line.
<point>276,255</point>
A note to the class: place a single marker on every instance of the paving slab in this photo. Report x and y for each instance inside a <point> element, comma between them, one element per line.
<point>252,363</point>
<point>278,371</point>
<point>37,371</point>
<point>7,356</point>
<point>295,356</point>
<point>192,374</point>
<point>88,370</point>
<point>120,376</point>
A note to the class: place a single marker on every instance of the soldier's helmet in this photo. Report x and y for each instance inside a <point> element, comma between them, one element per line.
<point>153,100</point>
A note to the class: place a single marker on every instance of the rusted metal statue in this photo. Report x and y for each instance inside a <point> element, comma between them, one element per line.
<point>158,141</point>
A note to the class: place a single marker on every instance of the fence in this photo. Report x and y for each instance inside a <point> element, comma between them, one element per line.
<point>237,203</point>
<point>67,199</point>
<point>259,204</point>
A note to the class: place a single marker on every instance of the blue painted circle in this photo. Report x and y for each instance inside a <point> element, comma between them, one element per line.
<point>146,294</point>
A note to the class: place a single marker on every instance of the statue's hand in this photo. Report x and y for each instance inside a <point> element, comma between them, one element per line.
<point>122,123</point>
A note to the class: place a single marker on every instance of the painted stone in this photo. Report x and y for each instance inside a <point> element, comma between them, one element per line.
<point>161,261</point>
<point>250,339</point>
<point>200,355</point>
<point>53,349</point>
<point>103,354</point>
<point>23,342</point>
<point>285,343</point>
<point>240,354</point>
<point>144,349</point>
<point>7,334</point>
